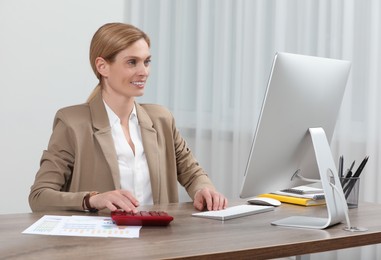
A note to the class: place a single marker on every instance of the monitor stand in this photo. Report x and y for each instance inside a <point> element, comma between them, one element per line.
<point>336,204</point>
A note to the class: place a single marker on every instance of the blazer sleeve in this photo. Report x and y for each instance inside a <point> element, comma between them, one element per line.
<point>55,173</point>
<point>189,172</point>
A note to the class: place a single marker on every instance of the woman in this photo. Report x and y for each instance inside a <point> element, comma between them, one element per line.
<point>112,152</point>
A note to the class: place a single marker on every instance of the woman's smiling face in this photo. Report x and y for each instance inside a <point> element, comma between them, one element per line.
<point>127,74</point>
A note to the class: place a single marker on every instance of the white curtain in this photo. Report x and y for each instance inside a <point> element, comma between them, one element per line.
<point>211,63</point>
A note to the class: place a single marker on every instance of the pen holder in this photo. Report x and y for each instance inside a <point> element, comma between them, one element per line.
<point>351,188</point>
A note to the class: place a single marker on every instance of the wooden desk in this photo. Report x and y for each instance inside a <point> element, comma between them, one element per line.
<point>191,237</point>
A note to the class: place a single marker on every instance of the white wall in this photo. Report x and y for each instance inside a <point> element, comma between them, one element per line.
<point>44,65</point>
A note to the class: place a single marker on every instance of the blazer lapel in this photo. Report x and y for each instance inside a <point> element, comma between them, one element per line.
<point>102,133</point>
<point>150,145</point>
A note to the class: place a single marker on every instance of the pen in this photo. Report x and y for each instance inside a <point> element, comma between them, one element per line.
<point>353,164</point>
<point>349,172</point>
<point>347,175</point>
<point>361,167</point>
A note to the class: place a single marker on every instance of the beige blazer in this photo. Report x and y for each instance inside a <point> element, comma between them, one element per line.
<point>81,157</point>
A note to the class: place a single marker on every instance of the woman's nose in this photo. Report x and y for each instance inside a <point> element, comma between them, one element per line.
<point>143,70</point>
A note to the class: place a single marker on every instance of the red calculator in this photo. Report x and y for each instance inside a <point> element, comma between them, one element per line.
<point>141,218</point>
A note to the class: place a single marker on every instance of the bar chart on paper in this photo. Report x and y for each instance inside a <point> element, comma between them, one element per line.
<point>88,226</point>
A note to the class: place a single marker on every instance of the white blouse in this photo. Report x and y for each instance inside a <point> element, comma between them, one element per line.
<point>134,172</point>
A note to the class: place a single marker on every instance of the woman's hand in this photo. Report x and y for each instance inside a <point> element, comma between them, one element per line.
<point>113,200</point>
<point>210,199</point>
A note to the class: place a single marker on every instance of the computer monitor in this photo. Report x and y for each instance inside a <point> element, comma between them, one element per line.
<point>304,94</point>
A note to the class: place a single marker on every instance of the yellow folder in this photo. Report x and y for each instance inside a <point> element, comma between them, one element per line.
<point>294,200</point>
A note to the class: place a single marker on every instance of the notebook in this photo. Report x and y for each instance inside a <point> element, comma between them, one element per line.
<point>233,212</point>
<point>304,190</point>
<point>307,192</point>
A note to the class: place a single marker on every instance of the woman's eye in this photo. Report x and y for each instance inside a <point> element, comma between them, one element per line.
<point>147,62</point>
<point>131,62</point>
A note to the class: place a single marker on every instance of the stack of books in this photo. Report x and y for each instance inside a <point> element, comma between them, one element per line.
<point>300,195</point>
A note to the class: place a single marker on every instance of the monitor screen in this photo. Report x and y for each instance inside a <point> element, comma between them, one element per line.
<point>303,92</point>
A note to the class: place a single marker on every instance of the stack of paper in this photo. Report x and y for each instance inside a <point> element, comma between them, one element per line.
<point>300,195</point>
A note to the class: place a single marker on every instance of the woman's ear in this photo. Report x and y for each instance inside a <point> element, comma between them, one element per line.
<point>102,66</point>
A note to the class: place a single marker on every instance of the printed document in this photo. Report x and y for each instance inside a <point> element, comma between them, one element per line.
<point>87,226</point>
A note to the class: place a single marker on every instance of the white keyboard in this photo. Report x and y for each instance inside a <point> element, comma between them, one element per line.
<point>233,212</point>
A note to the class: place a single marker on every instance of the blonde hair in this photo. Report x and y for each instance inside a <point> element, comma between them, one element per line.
<point>108,41</point>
